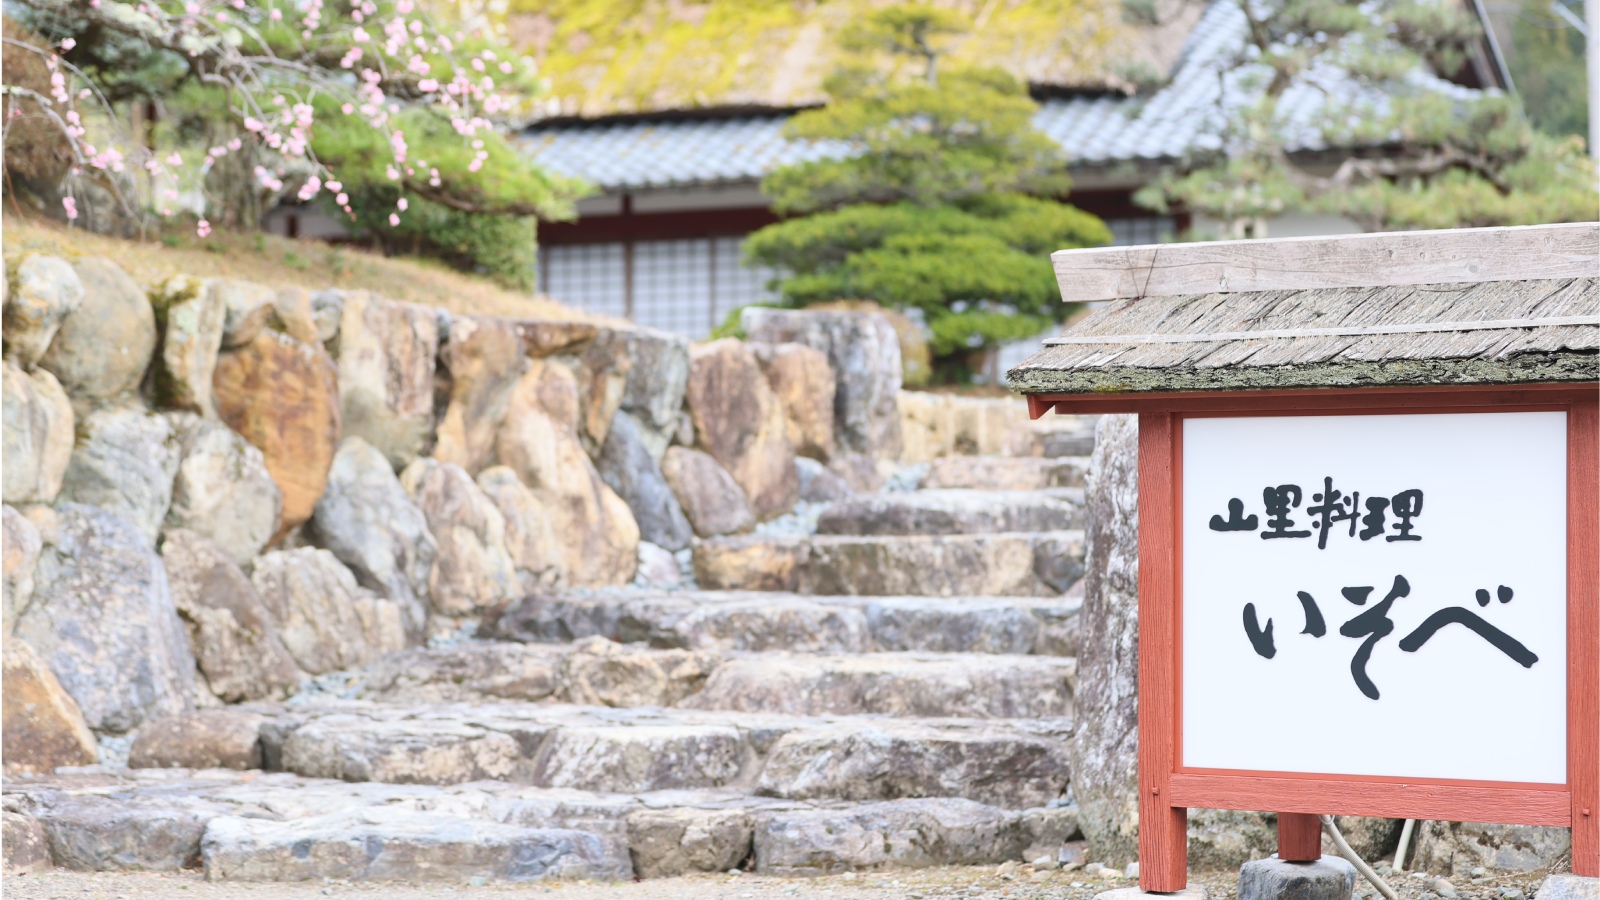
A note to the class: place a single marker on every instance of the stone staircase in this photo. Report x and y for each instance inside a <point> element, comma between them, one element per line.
<point>892,689</point>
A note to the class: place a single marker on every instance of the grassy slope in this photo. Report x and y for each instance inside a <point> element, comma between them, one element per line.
<point>276,261</point>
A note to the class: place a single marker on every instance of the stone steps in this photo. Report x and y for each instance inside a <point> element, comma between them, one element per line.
<point>249,826</point>
<point>596,671</point>
<point>1024,564</point>
<point>1006,473</point>
<point>756,621</point>
<point>954,511</point>
<point>1011,764</point>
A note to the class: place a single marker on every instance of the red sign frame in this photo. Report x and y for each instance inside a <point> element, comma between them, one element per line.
<point>1167,790</point>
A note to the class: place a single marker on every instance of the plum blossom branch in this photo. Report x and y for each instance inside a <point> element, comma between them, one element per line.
<point>284,64</point>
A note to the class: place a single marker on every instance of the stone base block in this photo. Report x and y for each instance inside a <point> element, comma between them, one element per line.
<point>1192,892</point>
<point>1569,887</point>
<point>1329,878</point>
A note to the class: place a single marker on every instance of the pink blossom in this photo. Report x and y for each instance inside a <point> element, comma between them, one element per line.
<point>347,109</point>
<point>334,186</point>
<point>343,200</point>
<point>235,144</point>
<point>276,15</point>
<point>394,220</point>
<point>203,228</point>
<point>68,44</point>
<point>71,206</point>
<point>402,204</point>
<point>253,124</point>
<point>174,159</point>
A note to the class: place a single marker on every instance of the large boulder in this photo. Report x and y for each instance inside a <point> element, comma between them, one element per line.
<point>601,672</point>
<point>530,537</point>
<point>480,361</point>
<point>650,757</point>
<point>326,620</point>
<point>1105,748</point>
<point>40,723</point>
<point>911,834</point>
<point>466,672</point>
<point>295,316</point>
<point>247,309</point>
<point>712,501</point>
<point>740,422</point>
<point>668,842</point>
<point>234,638</point>
<point>44,290</point>
<point>473,570</point>
<point>21,546</point>
<point>191,317</point>
<point>366,519</point>
<point>601,368</point>
<point>102,618</point>
<point>627,465</point>
<point>658,376</point>
<point>223,489</point>
<point>27,847</point>
<point>386,354</point>
<point>283,397</point>
<point>1456,848</point>
<point>102,349</point>
<point>886,759</point>
<point>205,739</point>
<point>598,535</point>
<point>38,435</point>
<point>819,484</point>
<point>125,462</point>
<point>390,844</point>
<point>864,354</point>
<point>805,386</point>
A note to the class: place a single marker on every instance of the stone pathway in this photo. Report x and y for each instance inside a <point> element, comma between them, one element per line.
<point>891,692</point>
<point>977,883</point>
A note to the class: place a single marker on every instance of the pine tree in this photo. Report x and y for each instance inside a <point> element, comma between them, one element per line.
<point>943,205</point>
<point>1428,153</point>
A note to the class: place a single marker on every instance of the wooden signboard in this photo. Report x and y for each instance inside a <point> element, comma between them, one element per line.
<point>1340,588</point>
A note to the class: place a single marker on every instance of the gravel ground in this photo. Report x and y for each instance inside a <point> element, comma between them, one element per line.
<point>985,883</point>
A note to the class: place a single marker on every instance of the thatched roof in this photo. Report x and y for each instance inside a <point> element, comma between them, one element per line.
<point>1297,315</point>
<point>655,55</point>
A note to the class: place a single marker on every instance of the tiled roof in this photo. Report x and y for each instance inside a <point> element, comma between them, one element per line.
<point>1176,119</point>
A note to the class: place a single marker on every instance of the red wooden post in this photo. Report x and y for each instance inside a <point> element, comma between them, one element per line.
<point>1299,837</point>
<point>1163,827</point>
<point>1583,634</point>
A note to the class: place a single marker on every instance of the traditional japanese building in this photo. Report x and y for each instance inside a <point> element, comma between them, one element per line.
<point>679,187</point>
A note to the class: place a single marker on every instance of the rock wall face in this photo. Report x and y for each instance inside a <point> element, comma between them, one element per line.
<point>865,356</point>
<point>1105,748</point>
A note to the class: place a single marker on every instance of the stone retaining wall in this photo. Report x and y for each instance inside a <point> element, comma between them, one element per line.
<point>270,484</point>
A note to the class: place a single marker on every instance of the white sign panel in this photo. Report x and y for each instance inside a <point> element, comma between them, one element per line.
<point>1379,595</point>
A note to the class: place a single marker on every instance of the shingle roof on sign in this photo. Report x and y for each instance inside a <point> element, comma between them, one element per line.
<point>1175,120</point>
<point>1458,306</point>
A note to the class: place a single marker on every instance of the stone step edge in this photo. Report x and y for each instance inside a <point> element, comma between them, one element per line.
<point>895,564</point>
<point>773,756</point>
<point>641,839</point>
